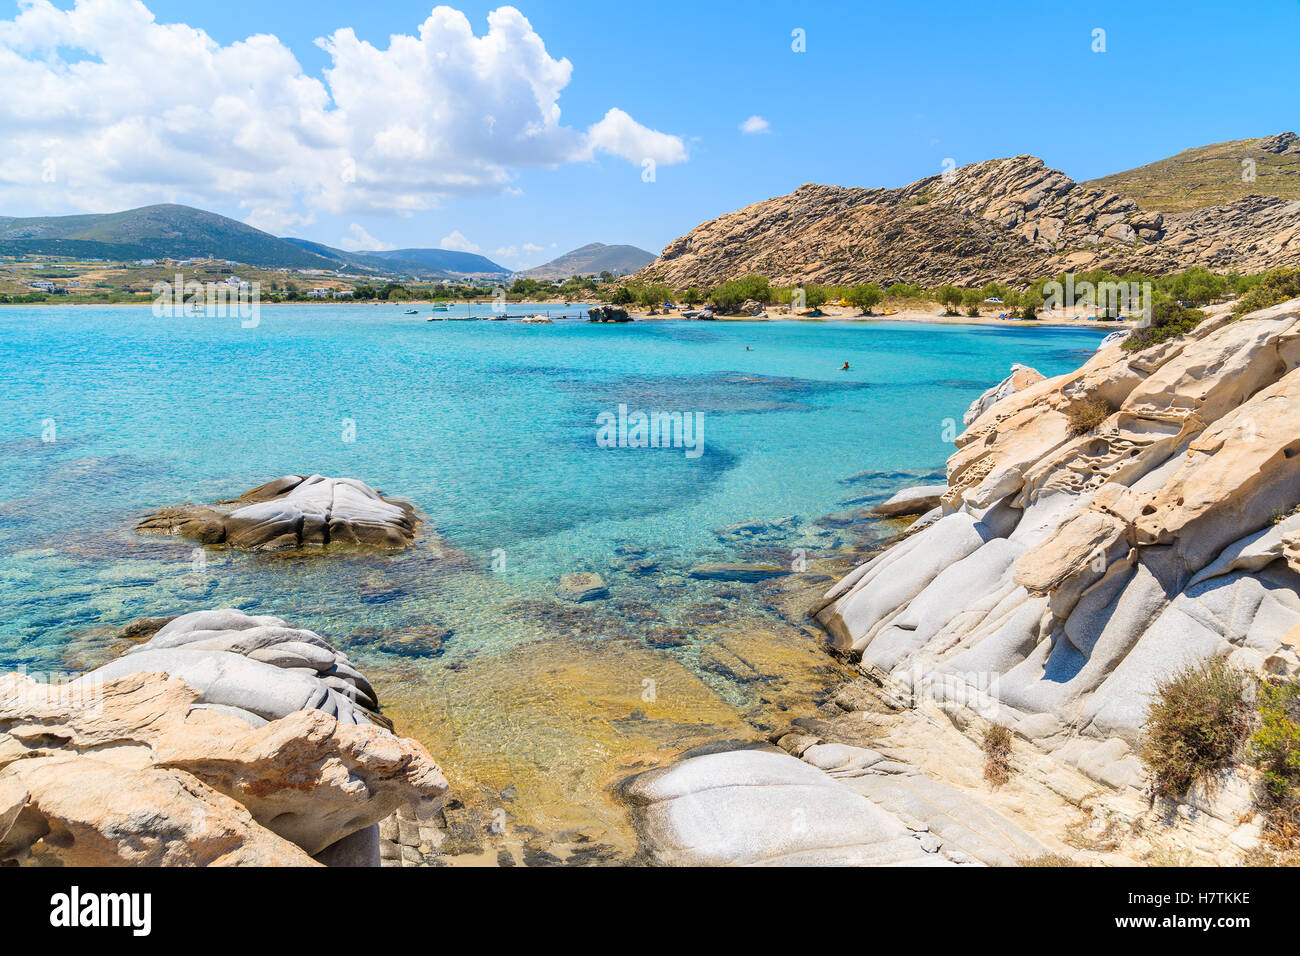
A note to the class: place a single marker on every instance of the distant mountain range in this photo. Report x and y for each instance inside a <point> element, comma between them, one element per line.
<point>1012,220</point>
<point>593,259</point>
<point>430,263</point>
<point>182,232</point>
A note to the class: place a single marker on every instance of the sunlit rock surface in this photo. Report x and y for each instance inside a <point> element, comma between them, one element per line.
<point>1068,573</point>
<point>293,513</point>
<point>225,739</point>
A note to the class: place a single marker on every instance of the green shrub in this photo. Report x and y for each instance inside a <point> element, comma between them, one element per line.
<point>651,294</point>
<point>901,290</point>
<point>1195,725</point>
<point>1275,746</point>
<point>1168,320</point>
<point>815,295</point>
<point>1196,286</point>
<point>730,296</point>
<point>950,296</point>
<point>865,296</point>
<point>1029,302</point>
<point>1273,288</point>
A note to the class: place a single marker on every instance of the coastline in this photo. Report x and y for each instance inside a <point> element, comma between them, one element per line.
<point>1057,319</point>
<point>797,705</point>
<point>994,727</point>
<point>832,313</point>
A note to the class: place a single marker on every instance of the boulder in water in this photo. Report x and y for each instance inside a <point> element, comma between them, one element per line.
<point>293,513</point>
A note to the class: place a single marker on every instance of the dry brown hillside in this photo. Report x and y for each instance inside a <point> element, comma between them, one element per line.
<point>1208,175</point>
<point>1012,220</point>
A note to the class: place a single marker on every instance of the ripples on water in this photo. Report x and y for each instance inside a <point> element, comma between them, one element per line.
<point>489,428</point>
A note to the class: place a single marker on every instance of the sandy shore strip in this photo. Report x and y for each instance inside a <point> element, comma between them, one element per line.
<point>836,313</point>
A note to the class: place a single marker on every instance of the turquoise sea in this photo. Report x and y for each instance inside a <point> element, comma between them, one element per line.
<point>490,429</point>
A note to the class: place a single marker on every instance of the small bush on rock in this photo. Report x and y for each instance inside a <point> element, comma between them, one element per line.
<point>1274,288</point>
<point>1087,415</point>
<point>1168,320</point>
<point>997,754</point>
<point>1195,725</point>
<point>1275,749</point>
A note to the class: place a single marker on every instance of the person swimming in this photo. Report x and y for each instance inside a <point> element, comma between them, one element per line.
<point>844,367</point>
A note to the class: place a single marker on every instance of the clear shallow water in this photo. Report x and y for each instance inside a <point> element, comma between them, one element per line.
<point>490,429</point>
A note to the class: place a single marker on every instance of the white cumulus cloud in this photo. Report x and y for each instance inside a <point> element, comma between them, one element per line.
<point>458,243</point>
<point>623,136</point>
<point>110,108</point>
<point>359,240</point>
<point>756,124</point>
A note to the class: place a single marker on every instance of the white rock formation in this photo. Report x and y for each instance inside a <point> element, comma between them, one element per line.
<point>1021,377</point>
<point>767,808</point>
<point>1069,573</point>
<point>911,501</point>
<point>294,512</point>
<point>227,739</point>
<point>259,668</point>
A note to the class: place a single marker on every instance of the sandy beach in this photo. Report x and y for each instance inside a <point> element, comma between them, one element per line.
<point>837,313</point>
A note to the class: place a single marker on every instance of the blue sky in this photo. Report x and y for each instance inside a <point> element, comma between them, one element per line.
<point>881,97</point>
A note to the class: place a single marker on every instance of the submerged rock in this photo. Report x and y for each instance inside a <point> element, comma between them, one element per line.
<point>724,571</point>
<point>182,757</point>
<point>292,513</point>
<point>911,501</point>
<point>420,640</point>
<point>582,586</point>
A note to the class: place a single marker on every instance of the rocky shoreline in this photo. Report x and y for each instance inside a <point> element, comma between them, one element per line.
<point>1064,571</point>
<point>223,739</point>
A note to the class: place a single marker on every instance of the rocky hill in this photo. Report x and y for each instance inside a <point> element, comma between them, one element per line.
<point>182,232</point>
<point>1209,175</point>
<point>1012,220</point>
<point>153,232</point>
<point>592,259</point>
<point>421,263</point>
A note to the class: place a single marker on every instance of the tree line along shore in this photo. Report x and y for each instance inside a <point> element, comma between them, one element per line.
<point>1172,301</point>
